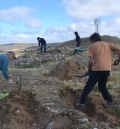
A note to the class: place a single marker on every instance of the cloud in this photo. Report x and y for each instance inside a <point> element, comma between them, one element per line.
<point>19,12</point>
<point>54,34</point>
<point>111,27</point>
<point>85,29</point>
<point>90,9</point>
<point>117,20</point>
<point>82,13</point>
<point>33,23</point>
<point>61,33</point>
<point>19,38</point>
<point>1,30</point>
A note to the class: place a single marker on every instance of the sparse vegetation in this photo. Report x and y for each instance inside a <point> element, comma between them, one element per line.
<point>73,85</point>
<point>27,65</point>
<point>56,94</point>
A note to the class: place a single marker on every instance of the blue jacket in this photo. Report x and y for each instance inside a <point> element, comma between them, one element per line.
<point>4,62</point>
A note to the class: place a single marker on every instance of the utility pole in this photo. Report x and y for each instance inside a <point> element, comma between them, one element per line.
<point>97,25</point>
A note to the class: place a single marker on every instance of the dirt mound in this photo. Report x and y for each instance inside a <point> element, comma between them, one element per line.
<point>67,70</point>
<point>18,111</point>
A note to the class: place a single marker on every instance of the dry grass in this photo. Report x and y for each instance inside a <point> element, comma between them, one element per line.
<point>73,85</point>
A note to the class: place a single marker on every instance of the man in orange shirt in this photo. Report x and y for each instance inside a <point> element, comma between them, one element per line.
<point>100,62</point>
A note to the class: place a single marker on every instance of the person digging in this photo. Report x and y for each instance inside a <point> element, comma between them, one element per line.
<point>100,62</point>
<point>4,63</point>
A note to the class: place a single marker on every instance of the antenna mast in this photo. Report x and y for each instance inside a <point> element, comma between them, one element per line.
<point>97,25</point>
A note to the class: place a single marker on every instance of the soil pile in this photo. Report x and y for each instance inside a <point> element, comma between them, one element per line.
<point>67,70</point>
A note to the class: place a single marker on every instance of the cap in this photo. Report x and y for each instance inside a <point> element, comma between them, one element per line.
<point>13,53</point>
<point>76,32</point>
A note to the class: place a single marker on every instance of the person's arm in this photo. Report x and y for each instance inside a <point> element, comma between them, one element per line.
<point>39,43</point>
<point>5,69</point>
<point>117,50</point>
<point>116,62</point>
<point>79,39</point>
<point>90,62</point>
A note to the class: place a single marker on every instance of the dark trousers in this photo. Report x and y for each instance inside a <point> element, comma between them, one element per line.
<point>43,47</point>
<point>101,78</point>
<point>78,44</point>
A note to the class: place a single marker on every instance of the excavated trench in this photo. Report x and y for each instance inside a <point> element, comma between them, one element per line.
<point>95,109</point>
<point>20,110</point>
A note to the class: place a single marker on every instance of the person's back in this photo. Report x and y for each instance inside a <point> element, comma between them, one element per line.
<point>78,40</point>
<point>102,58</point>
<point>100,62</point>
<point>3,59</point>
<point>42,41</point>
<point>4,62</point>
<point>42,44</point>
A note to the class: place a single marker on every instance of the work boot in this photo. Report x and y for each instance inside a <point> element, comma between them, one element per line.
<point>112,103</point>
<point>80,106</point>
<point>109,104</point>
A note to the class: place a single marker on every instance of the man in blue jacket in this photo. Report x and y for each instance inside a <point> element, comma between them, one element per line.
<point>42,44</point>
<point>4,63</point>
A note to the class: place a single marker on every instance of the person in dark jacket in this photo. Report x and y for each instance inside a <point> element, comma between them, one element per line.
<point>42,44</point>
<point>78,40</point>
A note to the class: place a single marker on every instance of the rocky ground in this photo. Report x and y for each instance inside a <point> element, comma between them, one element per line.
<point>44,95</point>
<point>48,104</point>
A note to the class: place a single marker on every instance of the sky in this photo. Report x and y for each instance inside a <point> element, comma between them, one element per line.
<point>21,21</point>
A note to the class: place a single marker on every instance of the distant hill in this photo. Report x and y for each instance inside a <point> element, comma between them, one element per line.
<point>111,39</point>
<point>71,43</point>
<point>22,46</point>
<point>85,41</point>
<point>15,46</point>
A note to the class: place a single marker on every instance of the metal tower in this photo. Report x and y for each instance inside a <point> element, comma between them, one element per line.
<point>97,24</point>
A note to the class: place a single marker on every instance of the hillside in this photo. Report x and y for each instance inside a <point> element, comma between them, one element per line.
<point>47,89</point>
<point>85,41</point>
<point>15,46</point>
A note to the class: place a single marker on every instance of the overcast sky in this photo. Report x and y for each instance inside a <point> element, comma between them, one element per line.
<point>56,20</point>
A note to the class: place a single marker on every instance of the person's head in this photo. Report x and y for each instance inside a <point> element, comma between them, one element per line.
<point>76,33</point>
<point>11,55</point>
<point>38,38</point>
<point>95,37</point>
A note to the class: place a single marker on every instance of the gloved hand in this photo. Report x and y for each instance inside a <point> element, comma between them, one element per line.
<point>116,62</point>
<point>10,81</point>
<point>10,75</point>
